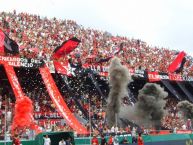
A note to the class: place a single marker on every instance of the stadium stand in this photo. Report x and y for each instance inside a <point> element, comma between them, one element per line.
<point>84,94</point>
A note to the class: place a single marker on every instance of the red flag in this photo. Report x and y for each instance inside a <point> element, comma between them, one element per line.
<point>2,37</point>
<point>7,45</point>
<point>177,62</point>
<point>62,69</point>
<point>66,47</point>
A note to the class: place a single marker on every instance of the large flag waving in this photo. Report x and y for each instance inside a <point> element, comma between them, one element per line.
<point>66,47</point>
<point>176,64</point>
<point>7,45</point>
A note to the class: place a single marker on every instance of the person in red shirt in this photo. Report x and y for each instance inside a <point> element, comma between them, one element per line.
<point>140,140</point>
<point>110,141</point>
<point>95,140</point>
<point>16,140</point>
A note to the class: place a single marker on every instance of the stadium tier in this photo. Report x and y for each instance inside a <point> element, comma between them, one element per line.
<point>57,72</point>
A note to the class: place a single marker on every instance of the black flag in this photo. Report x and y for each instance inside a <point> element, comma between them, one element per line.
<point>181,65</point>
<point>7,45</point>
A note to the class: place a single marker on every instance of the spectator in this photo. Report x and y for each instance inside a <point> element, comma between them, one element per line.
<point>110,140</point>
<point>184,127</point>
<point>189,124</point>
<point>69,141</point>
<point>47,140</point>
<point>62,142</point>
<point>140,140</point>
<point>103,140</point>
<point>124,141</point>
<point>116,140</point>
<point>133,135</point>
<point>95,140</point>
<point>16,140</point>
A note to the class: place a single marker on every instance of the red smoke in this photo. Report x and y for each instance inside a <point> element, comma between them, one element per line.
<point>23,117</point>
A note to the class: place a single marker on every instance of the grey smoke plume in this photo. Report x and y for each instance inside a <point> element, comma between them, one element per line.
<point>187,108</point>
<point>150,106</point>
<point>119,78</point>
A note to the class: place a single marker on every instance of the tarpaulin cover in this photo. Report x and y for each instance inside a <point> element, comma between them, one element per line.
<point>59,102</point>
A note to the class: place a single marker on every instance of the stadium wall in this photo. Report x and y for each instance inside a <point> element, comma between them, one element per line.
<point>172,139</point>
<point>29,142</point>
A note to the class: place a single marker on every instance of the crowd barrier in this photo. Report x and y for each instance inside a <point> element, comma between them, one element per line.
<point>54,136</point>
<point>170,139</point>
<point>27,142</point>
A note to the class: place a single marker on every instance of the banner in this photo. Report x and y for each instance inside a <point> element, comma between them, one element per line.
<point>59,102</point>
<point>151,76</point>
<point>183,131</point>
<point>175,77</point>
<point>103,71</point>
<point>23,107</point>
<point>44,122</point>
<point>22,62</point>
<point>66,69</point>
<point>187,78</point>
<point>14,81</point>
<point>47,115</point>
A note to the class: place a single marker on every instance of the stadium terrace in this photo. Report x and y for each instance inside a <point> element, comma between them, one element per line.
<point>55,74</point>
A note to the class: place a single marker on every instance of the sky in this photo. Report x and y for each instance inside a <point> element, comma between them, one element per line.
<point>163,23</point>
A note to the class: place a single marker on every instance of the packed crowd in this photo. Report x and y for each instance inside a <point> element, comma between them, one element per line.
<point>6,108</point>
<point>172,121</point>
<point>38,36</point>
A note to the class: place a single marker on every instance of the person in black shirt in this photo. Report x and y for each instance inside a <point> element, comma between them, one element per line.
<point>124,141</point>
<point>103,140</point>
<point>68,141</point>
